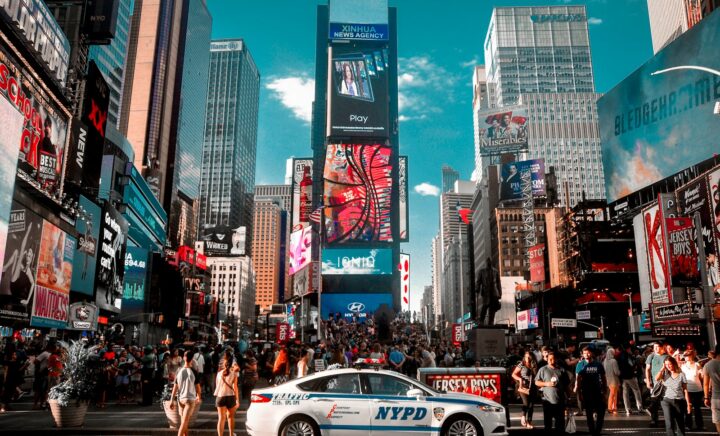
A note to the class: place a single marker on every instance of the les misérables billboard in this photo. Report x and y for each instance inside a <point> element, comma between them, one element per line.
<point>660,119</point>
<point>358,90</point>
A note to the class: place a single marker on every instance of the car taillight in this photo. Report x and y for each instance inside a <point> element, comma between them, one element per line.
<point>255,398</point>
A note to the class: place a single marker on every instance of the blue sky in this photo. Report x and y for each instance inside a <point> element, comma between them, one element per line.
<point>438,44</point>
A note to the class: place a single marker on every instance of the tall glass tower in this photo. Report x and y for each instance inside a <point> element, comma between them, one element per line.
<point>228,170</point>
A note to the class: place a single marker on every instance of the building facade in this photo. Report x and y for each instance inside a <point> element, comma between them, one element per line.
<point>671,18</point>
<point>449,177</point>
<point>437,284</point>
<point>232,282</point>
<point>228,171</point>
<point>282,196</point>
<point>266,249</point>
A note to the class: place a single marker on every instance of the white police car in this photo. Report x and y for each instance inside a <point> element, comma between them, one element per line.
<point>369,402</point>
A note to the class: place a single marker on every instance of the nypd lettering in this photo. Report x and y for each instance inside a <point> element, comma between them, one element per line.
<point>401,413</point>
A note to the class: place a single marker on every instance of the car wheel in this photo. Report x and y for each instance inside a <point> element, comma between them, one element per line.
<point>299,426</point>
<point>461,426</point>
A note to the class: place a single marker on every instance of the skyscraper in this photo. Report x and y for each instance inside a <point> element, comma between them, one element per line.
<point>228,170</point>
<point>282,196</point>
<point>266,241</point>
<point>449,177</point>
<point>671,18</point>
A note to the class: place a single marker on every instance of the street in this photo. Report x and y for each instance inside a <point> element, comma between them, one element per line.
<point>136,420</point>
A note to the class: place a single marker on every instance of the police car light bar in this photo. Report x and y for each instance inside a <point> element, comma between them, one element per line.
<point>367,362</point>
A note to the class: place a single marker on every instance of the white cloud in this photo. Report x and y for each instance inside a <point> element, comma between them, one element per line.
<point>471,63</point>
<point>295,93</point>
<point>419,78</point>
<point>594,21</point>
<point>426,189</point>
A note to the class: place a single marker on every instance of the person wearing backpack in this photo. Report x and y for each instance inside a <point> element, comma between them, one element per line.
<point>628,375</point>
<point>188,391</point>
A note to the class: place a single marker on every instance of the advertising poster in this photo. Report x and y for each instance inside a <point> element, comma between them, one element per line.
<point>54,273</point>
<point>111,260</point>
<point>537,263</point>
<point>302,193</point>
<point>82,316</point>
<point>713,262</point>
<point>695,197</point>
<point>466,381</point>
<point>404,268</point>
<point>682,251</point>
<point>136,269</point>
<point>457,334</point>
<point>354,306</point>
<point>85,260</point>
<point>300,249</point>
<point>404,219</point>
<point>11,129</point>
<point>17,285</point>
<point>224,241</point>
<point>358,90</point>
<point>642,260</point>
<point>509,287</point>
<point>301,282</point>
<point>660,120</point>
<point>45,127</point>
<point>528,319</point>
<point>357,261</point>
<point>358,193</point>
<point>656,255</point>
<point>510,178</point>
<point>503,131</point>
<point>94,116</point>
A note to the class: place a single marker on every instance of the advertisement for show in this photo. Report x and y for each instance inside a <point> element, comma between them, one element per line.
<point>94,116</point>
<point>503,131</point>
<point>509,287</point>
<point>358,193</point>
<point>656,254</point>
<point>358,90</point>
<point>54,273</point>
<point>20,264</point>
<point>302,193</point>
<point>136,269</point>
<point>511,183</point>
<point>356,261</point>
<point>85,260</point>
<point>111,260</point>
<point>695,197</point>
<point>683,254</point>
<point>404,268</point>
<point>10,134</point>
<point>650,124</point>
<point>354,306</point>
<point>44,131</point>
<point>484,382</point>
<point>224,241</point>
<point>300,253</point>
<point>404,218</point>
<point>527,319</point>
<point>642,260</point>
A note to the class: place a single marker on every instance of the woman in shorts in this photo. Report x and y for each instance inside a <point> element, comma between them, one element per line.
<point>226,394</point>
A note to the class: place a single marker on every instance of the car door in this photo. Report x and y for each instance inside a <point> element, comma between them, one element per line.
<point>391,410</point>
<point>339,406</point>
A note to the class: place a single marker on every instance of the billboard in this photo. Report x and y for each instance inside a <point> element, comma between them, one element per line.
<point>537,263</point>
<point>510,174</point>
<point>509,287</point>
<point>404,268</point>
<point>354,306</point>
<point>358,193</point>
<point>85,260</point>
<point>642,260</point>
<point>357,261</point>
<point>94,117</point>
<point>44,134</point>
<point>100,21</point>
<point>656,254</point>
<point>300,249</point>
<point>136,269</point>
<point>714,262</point>
<point>660,120</point>
<point>20,263</point>
<point>11,129</point>
<point>359,32</point>
<point>111,260</point>
<point>54,274</point>
<point>528,319</point>
<point>358,90</point>
<point>404,220</point>
<point>502,130</point>
<point>224,241</point>
<point>82,316</point>
<point>302,193</point>
<point>695,197</point>
<point>682,252</point>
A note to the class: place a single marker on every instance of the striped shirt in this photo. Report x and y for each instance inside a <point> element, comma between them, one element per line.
<point>674,386</point>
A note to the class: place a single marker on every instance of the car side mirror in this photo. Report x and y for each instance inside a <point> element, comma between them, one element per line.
<point>416,393</point>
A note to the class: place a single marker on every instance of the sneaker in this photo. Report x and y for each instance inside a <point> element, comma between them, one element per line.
<point>628,413</point>
<point>646,411</point>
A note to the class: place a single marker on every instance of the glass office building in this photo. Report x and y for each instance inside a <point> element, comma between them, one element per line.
<point>230,141</point>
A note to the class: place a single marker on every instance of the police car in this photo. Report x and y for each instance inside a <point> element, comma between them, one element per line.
<point>369,402</point>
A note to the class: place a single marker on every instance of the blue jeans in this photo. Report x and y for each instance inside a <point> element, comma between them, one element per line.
<point>674,411</point>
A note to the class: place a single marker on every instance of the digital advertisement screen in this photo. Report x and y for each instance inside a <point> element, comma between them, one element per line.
<point>111,260</point>
<point>302,181</point>
<point>358,90</point>
<point>11,130</point>
<point>54,273</point>
<point>94,116</point>
<point>660,119</point>
<point>510,178</point>
<point>404,221</point>
<point>357,261</point>
<point>85,260</point>
<point>300,253</point>
<point>503,131</point>
<point>136,269</point>
<point>714,185</point>
<point>358,193</point>
<point>354,306</point>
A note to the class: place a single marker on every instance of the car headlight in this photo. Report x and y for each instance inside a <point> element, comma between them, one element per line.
<point>496,409</point>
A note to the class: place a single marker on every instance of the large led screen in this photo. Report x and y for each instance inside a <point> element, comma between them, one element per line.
<point>11,128</point>
<point>88,227</point>
<point>660,119</point>
<point>136,269</point>
<point>358,90</point>
<point>354,306</point>
<point>302,193</point>
<point>404,219</point>
<point>510,178</point>
<point>300,249</point>
<point>357,261</point>
<point>358,193</point>
<point>111,260</point>
<point>502,130</point>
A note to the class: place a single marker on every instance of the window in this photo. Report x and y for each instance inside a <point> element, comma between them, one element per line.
<point>381,384</point>
<point>340,384</point>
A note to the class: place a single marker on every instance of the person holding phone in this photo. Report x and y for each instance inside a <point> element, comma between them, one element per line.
<point>676,403</point>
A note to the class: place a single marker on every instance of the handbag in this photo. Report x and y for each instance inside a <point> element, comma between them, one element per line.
<point>658,390</point>
<point>571,426</point>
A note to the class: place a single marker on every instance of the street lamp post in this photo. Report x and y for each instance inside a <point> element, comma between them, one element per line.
<point>630,313</point>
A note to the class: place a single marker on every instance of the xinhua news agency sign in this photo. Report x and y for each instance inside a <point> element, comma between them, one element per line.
<point>359,32</point>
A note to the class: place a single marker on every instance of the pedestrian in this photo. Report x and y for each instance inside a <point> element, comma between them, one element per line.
<point>676,401</point>
<point>396,359</point>
<point>553,381</point>
<point>543,360</point>
<point>199,364</point>
<point>174,364</point>
<point>628,378</point>
<point>226,394</point>
<point>592,384</point>
<point>711,386</point>
<point>13,378</point>
<point>149,362</point>
<point>302,364</point>
<point>188,391</point>
<point>281,367</point>
<point>250,374</point>
<point>524,374</point>
<point>653,365</point>
<point>40,384</point>
<point>612,374</point>
<point>693,374</point>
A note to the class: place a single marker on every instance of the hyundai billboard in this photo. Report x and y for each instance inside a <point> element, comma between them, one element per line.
<point>357,261</point>
<point>660,119</point>
<point>354,306</point>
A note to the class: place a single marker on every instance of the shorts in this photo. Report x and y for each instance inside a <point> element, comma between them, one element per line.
<point>228,401</point>
<point>715,408</point>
